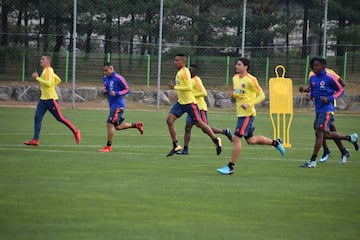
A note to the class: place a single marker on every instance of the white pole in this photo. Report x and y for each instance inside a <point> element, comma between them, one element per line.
<point>243,29</point>
<point>74,54</point>
<point>325,28</point>
<point>159,54</point>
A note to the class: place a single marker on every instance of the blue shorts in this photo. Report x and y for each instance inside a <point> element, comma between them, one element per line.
<point>191,109</point>
<point>323,120</point>
<point>203,116</point>
<point>116,116</point>
<point>244,127</point>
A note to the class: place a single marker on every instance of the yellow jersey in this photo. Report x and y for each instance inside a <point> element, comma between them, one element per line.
<point>246,89</point>
<point>48,81</point>
<point>184,86</point>
<point>199,93</point>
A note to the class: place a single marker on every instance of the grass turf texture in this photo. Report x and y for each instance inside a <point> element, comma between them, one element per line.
<point>60,190</point>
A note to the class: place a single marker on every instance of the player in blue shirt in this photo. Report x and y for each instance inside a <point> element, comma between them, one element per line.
<point>324,88</point>
<point>115,88</point>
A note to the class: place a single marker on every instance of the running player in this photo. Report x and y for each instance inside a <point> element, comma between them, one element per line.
<point>49,101</point>
<point>200,93</point>
<point>115,88</point>
<point>247,93</point>
<point>186,103</point>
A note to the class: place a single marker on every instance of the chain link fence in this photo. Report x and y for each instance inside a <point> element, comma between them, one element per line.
<point>209,32</point>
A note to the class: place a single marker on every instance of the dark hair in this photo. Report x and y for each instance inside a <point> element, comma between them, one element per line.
<point>181,55</point>
<point>321,60</point>
<point>107,65</point>
<point>245,61</point>
<point>194,66</point>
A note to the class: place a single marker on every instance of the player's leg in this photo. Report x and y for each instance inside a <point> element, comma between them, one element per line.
<point>121,125</point>
<point>175,112</point>
<point>240,130</point>
<point>193,111</point>
<point>54,108</point>
<point>187,136</point>
<point>39,114</point>
<point>112,121</point>
<point>322,125</point>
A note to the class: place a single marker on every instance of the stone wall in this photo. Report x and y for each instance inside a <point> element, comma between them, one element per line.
<point>214,99</point>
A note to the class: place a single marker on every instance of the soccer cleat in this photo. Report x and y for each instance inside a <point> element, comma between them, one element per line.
<point>33,142</point>
<point>174,150</point>
<point>309,164</point>
<point>344,157</point>
<point>325,157</point>
<point>183,152</point>
<point>354,141</point>
<point>218,146</point>
<point>106,149</point>
<point>280,147</point>
<point>139,126</point>
<point>225,170</point>
<point>77,136</point>
<point>227,133</point>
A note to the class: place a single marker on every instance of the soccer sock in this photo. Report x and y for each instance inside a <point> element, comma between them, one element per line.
<point>109,143</point>
<point>326,150</point>
<point>313,158</point>
<point>275,143</point>
<point>231,165</point>
<point>343,151</point>
<point>348,138</point>
<point>186,148</point>
<point>133,125</point>
<point>215,140</point>
<point>175,143</point>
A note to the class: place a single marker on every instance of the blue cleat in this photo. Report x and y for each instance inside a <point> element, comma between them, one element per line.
<point>309,164</point>
<point>280,147</point>
<point>225,170</point>
<point>354,141</point>
<point>325,157</point>
<point>183,152</point>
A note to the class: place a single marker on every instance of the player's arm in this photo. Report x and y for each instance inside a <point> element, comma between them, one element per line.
<point>200,89</point>
<point>260,95</point>
<point>123,87</point>
<point>47,78</point>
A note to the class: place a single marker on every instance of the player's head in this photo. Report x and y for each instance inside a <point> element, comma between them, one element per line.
<point>242,65</point>
<point>45,60</point>
<point>180,60</point>
<point>108,69</point>
<point>194,69</point>
<point>319,65</point>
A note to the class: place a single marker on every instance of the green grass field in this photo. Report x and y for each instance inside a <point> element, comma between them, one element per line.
<point>60,190</point>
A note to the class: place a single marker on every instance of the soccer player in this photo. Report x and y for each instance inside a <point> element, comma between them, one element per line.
<point>186,102</point>
<point>326,154</point>
<point>115,88</point>
<point>247,93</point>
<point>200,93</point>
<point>49,101</point>
<point>324,89</point>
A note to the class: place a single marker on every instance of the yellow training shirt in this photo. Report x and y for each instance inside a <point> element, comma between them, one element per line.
<point>246,89</point>
<point>48,81</point>
<point>184,86</point>
<point>199,92</point>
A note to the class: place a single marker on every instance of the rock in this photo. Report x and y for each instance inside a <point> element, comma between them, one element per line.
<point>87,93</point>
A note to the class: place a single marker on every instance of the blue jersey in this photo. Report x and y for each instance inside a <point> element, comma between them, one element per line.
<point>324,84</point>
<point>117,83</point>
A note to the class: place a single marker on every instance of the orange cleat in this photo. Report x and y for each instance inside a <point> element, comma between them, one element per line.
<point>139,126</point>
<point>106,149</point>
<point>77,136</point>
<point>33,142</point>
